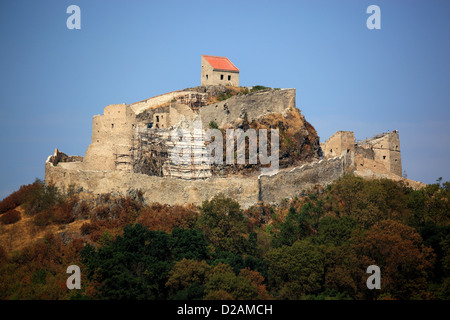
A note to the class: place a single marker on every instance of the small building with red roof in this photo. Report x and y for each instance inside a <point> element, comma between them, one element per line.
<point>219,70</point>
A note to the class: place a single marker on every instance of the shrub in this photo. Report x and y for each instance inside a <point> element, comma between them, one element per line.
<point>101,212</point>
<point>10,217</point>
<point>81,210</point>
<point>63,214</point>
<point>224,96</point>
<point>41,197</point>
<point>213,125</point>
<point>258,88</point>
<point>43,218</point>
<point>18,197</point>
<point>85,228</point>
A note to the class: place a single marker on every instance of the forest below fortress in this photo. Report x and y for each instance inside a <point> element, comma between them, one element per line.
<point>315,246</point>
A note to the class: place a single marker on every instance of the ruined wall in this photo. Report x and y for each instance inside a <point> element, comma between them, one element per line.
<point>385,154</point>
<point>380,154</point>
<point>254,104</point>
<point>290,183</point>
<point>111,135</point>
<point>164,117</point>
<point>182,96</point>
<point>341,141</point>
<point>155,189</point>
<point>246,190</point>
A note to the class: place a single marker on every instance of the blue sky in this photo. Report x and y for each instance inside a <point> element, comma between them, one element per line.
<point>347,77</point>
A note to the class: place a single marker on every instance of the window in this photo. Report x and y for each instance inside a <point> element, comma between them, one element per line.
<point>221,77</point>
<point>229,78</point>
<point>384,157</point>
<point>157,118</point>
<point>149,125</point>
<point>331,150</point>
<point>112,125</point>
<point>348,150</point>
<point>206,77</point>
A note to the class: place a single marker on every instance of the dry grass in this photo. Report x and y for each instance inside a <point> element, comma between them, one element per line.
<point>16,236</point>
<point>231,91</point>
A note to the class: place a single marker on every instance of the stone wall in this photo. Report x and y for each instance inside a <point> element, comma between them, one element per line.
<point>386,153</point>
<point>166,116</point>
<point>290,183</point>
<point>254,104</point>
<point>155,189</point>
<point>341,141</point>
<point>182,96</point>
<point>246,190</point>
<point>111,135</point>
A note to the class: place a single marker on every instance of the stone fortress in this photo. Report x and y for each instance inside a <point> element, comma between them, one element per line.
<point>131,144</point>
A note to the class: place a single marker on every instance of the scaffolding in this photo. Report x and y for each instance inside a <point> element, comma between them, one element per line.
<point>151,155</point>
<point>149,151</point>
<point>124,158</point>
<point>194,100</point>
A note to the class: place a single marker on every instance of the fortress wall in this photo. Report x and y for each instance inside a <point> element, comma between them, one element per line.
<point>288,184</point>
<point>246,190</point>
<point>166,98</point>
<point>386,151</point>
<point>364,163</point>
<point>255,104</point>
<point>166,190</point>
<point>111,134</point>
<point>339,142</point>
<point>395,159</point>
<point>166,116</point>
<point>140,106</point>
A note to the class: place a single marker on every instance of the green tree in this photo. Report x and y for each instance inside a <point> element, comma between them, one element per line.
<point>293,228</point>
<point>335,231</point>
<point>189,244</point>
<point>297,270</point>
<point>225,227</point>
<point>223,283</point>
<point>187,278</point>
<point>369,201</point>
<point>431,203</point>
<point>133,266</point>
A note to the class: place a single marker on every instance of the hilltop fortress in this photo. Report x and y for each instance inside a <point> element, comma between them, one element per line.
<point>131,146</point>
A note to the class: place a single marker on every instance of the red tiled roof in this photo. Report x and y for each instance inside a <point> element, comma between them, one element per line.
<point>220,63</point>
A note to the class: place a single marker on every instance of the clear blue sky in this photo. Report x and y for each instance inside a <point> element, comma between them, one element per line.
<point>53,80</point>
